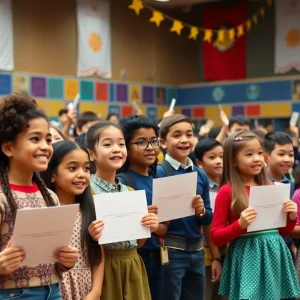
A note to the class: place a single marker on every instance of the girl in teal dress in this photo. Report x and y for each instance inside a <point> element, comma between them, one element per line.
<point>258,265</point>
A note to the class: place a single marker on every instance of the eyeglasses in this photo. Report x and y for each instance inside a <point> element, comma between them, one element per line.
<point>143,145</point>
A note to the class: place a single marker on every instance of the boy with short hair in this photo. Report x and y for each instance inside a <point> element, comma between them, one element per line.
<point>185,273</point>
<point>279,156</point>
<point>233,125</point>
<point>238,123</point>
<point>85,121</point>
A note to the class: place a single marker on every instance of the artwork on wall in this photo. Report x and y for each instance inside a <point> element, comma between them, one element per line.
<point>160,96</point>
<point>296,89</point>
<point>267,99</point>
<point>21,84</point>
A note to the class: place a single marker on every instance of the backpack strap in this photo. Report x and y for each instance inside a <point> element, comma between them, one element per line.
<point>128,178</point>
<point>168,168</point>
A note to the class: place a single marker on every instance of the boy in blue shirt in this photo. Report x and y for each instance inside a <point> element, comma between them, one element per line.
<point>279,157</point>
<point>185,273</point>
<point>138,172</point>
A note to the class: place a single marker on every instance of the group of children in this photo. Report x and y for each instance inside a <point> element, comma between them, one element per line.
<point>208,255</point>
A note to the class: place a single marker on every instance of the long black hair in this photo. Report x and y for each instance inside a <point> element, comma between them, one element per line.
<point>130,125</point>
<point>16,111</point>
<point>85,200</point>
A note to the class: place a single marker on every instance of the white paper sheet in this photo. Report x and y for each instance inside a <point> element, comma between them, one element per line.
<point>122,214</point>
<point>294,118</point>
<point>268,202</point>
<point>172,105</point>
<point>40,231</point>
<point>212,197</point>
<point>173,195</point>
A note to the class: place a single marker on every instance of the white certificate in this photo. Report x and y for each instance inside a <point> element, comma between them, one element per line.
<point>268,201</point>
<point>122,214</point>
<point>212,198</point>
<point>40,231</point>
<point>173,196</point>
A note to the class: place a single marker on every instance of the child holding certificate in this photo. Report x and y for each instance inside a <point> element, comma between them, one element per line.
<point>141,138</point>
<point>185,273</point>
<point>68,175</point>
<point>258,265</point>
<point>124,274</point>
<point>26,149</point>
<point>209,157</point>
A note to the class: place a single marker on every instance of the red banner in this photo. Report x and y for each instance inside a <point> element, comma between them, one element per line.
<point>225,59</point>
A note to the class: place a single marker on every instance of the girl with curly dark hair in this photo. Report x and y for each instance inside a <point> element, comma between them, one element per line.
<point>25,150</point>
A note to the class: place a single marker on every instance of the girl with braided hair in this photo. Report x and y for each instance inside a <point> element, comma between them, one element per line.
<point>25,141</point>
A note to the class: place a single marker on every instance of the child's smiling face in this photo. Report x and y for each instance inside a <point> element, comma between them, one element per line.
<point>179,141</point>
<point>110,152</point>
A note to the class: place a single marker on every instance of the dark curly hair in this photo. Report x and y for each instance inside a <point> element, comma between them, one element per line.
<point>130,125</point>
<point>16,111</point>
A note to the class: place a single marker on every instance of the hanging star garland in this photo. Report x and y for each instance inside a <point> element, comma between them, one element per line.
<point>208,34</point>
<point>194,33</point>
<point>255,19</point>
<point>248,24</point>
<point>231,34</point>
<point>221,35</point>
<point>177,27</point>
<point>240,31</point>
<point>137,6</point>
<point>157,17</point>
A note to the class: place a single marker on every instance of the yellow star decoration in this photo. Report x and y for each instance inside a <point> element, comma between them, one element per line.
<point>137,6</point>
<point>240,31</point>
<point>208,34</point>
<point>231,33</point>
<point>221,35</point>
<point>248,24</point>
<point>194,33</point>
<point>255,20</point>
<point>157,17</point>
<point>177,27</point>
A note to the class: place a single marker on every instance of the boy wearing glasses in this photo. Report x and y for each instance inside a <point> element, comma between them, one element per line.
<point>185,273</point>
<point>141,138</point>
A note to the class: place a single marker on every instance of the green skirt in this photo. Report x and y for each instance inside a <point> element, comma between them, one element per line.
<point>259,266</point>
<point>125,276</point>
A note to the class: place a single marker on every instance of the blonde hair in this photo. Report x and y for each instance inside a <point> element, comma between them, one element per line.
<point>233,145</point>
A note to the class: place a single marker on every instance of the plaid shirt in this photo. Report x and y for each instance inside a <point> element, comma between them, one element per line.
<point>101,186</point>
